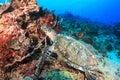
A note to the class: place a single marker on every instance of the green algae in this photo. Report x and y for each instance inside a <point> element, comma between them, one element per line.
<point>59,75</point>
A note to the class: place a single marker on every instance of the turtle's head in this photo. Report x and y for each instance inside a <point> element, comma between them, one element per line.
<point>46,29</point>
<point>49,32</point>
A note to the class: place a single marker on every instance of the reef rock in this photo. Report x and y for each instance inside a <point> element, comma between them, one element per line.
<point>20,33</point>
<point>117,29</point>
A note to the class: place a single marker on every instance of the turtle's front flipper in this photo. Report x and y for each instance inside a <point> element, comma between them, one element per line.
<point>47,52</point>
<point>36,75</point>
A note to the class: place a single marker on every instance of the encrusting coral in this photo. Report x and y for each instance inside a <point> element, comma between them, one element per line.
<point>20,31</point>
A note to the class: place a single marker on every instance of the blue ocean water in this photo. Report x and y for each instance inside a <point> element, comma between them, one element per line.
<point>106,11</point>
<point>4,1</point>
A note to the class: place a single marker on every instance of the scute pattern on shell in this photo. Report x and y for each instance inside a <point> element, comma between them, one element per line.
<point>75,53</point>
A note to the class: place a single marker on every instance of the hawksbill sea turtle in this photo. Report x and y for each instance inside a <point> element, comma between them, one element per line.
<point>76,54</point>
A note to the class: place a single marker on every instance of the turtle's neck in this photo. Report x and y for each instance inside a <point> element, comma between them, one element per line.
<point>52,35</point>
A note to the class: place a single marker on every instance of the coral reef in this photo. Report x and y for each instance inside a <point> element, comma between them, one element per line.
<point>117,29</point>
<point>99,35</point>
<point>21,36</point>
<point>23,43</point>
